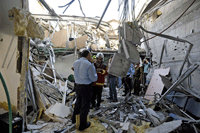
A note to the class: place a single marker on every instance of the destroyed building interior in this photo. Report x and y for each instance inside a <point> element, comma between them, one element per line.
<point>159,39</point>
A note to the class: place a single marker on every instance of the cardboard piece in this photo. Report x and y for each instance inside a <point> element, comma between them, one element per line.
<point>59,38</point>
<point>79,41</point>
<point>156,85</point>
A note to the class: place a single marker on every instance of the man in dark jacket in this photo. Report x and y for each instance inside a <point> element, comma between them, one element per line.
<point>101,69</point>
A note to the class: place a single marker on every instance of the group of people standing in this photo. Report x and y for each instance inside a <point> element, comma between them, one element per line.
<point>89,81</point>
<point>135,75</point>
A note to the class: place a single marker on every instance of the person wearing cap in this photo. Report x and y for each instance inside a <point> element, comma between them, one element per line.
<point>84,74</point>
<point>101,69</point>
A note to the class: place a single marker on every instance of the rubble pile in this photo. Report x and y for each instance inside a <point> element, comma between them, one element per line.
<point>51,99</point>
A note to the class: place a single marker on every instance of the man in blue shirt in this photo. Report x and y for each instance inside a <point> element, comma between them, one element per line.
<point>84,74</point>
<point>146,66</point>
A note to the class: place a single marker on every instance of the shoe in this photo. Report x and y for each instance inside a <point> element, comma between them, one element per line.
<point>109,98</point>
<point>124,95</point>
<point>73,121</point>
<point>97,108</point>
<point>114,100</point>
<point>83,128</point>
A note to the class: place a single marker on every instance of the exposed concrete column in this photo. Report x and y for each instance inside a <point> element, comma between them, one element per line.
<point>23,80</point>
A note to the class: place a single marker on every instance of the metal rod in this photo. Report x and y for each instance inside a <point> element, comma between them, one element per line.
<point>45,66</point>
<point>162,51</point>
<point>175,39</point>
<point>181,79</point>
<point>52,12</point>
<point>143,106</point>
<point>64,96</point>
<point>195,129</point>
<point>103,14</point>
<point>186,57</point>
<point>31,89</point>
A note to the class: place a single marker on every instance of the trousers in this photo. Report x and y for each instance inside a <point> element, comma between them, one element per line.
<point>82,105</point>
<point>112,87</point>
<point>128,85</point>
<point>96,95</point>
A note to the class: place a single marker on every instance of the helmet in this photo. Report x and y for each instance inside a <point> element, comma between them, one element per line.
<point>100,55</point>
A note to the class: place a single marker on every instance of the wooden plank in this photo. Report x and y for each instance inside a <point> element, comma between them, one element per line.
<point>156,85</point>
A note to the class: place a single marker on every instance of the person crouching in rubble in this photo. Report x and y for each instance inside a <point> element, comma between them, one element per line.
<point>101,69</point>
<point>137,79</point>
<point>112,84</point>
<point>85,74</point>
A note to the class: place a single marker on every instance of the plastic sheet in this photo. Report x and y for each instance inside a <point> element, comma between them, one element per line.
<point>24,24</point>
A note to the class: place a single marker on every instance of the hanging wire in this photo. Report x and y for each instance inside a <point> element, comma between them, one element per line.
<point>81,8</point>
<point>67,5</point>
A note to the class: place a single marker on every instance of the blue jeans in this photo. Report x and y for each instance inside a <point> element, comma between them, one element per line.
<point>119,82</point>
<point>112,87</point>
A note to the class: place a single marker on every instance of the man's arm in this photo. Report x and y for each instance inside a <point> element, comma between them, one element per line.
<point>92,73</point>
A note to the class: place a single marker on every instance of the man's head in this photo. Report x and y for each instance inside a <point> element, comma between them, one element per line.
<point>86,54</point>
<point>100,57</point>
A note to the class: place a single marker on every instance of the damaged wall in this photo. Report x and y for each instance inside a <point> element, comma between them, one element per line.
<point>8,52</point>
<point>187,27</point>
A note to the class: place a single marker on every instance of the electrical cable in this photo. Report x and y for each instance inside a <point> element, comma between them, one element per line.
<point>9,103</point>
<point>67,5</point>
<point>81,8</point>
<point>172,23</point>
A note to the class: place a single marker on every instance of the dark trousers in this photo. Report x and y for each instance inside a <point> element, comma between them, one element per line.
<point>136,85</point>
<point>96,94</point>
<point>145,77</point>
<point>128,85</point>
<point>82,105</point>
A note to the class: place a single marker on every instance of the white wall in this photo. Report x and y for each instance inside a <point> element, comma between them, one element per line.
<point>182,29</point>
<point>8,51</point>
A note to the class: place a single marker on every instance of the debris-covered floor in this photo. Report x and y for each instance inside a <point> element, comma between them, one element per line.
<point>130,114</point>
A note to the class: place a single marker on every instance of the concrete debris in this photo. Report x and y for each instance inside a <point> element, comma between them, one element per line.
<point>156,85</point>
<point>126,126</point>
<point>105,125</point>
<point>166,127</point>
<point>36,127</point>
<point>60,110</point>
<point>52,97</point>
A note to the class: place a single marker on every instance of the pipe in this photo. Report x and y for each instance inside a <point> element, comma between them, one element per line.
<point>195,129</point>
<point>64,96</point>
<point>162,51</point>
<point>175,39</point>
<point>103,14</point>
<point>186,57</point>
<point>9,103</point>
<point>181,79</point>
<point>51,11</point>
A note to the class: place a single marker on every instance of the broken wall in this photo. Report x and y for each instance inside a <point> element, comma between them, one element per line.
<point>63,65</point>
<point>8,52</point>
<point>187,27</point>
